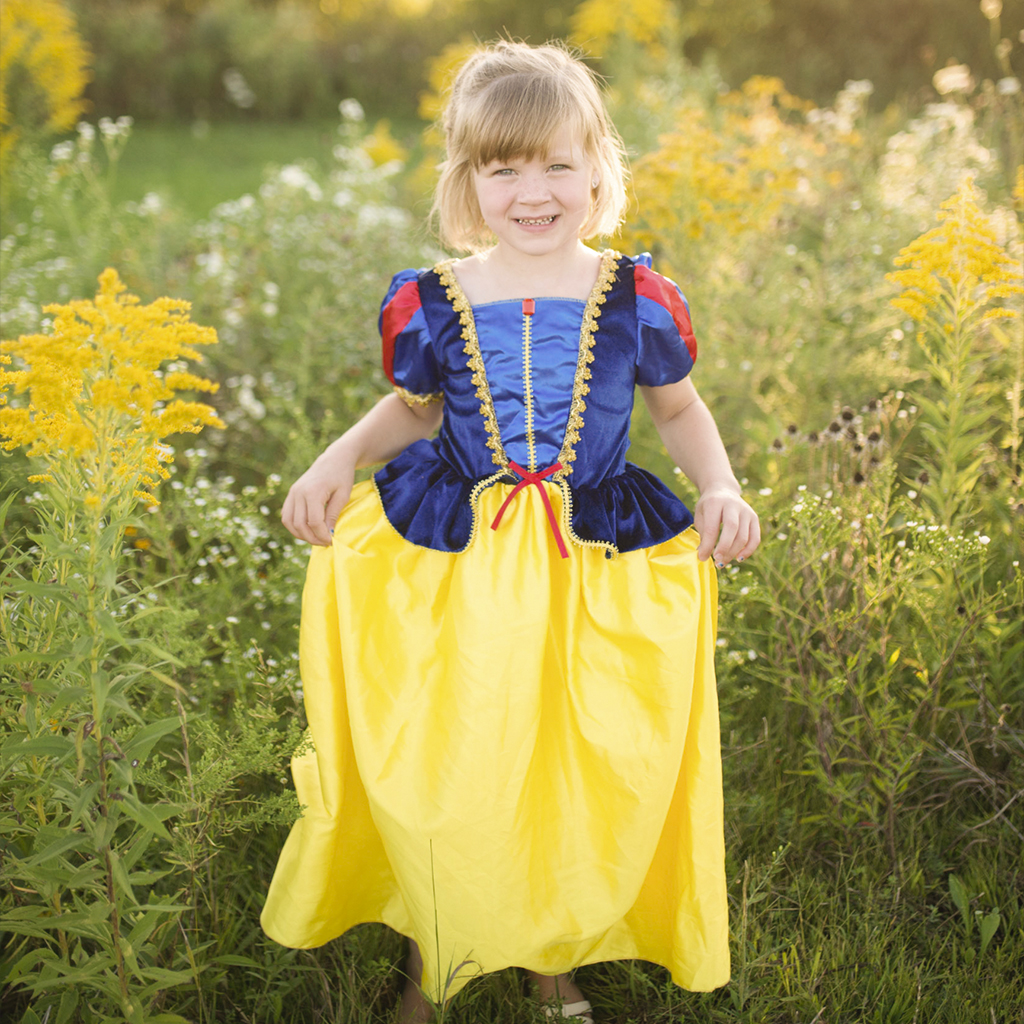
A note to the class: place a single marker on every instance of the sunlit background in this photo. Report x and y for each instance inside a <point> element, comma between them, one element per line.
<point>837,186</point>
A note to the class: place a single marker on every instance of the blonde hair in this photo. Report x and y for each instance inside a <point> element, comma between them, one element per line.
<point>509,100</point>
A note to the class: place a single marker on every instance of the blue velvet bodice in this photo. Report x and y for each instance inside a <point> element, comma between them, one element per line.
<point>535,383</point>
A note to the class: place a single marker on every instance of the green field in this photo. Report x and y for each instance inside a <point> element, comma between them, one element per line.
<point>197,166</point>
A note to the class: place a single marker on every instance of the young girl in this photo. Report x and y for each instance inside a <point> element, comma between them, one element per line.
<point>507,643</point>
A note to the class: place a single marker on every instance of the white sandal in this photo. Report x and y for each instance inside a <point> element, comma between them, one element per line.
<point>575,1011</point>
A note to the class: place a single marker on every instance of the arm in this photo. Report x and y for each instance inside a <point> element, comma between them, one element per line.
<point>318,496</point>
<point>688,431</point>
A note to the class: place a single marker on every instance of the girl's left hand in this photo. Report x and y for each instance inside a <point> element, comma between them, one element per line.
<point>727,525</point>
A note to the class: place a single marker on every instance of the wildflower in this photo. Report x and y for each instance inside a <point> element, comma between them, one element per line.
<point>792,430</point>
<point>38,41</point>
<point>958,265</point>
<point>351,110</point>
<point>97,402</point>
<point>381,147</point>
<point>238,89</point>
<point>834,431</point>
<point>874,439</point>
<point>595,23</point>
<point>953,78</point>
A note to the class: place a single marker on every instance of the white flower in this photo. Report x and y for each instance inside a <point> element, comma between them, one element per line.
<point>86,132</point>
<point>954,78</point>
<point>765,491</point>
<point>1008,86</point>
<point>351,110</point>
<point>984,540</point>
<point>62,152</point>
<point>151,204</point>
<point>238,88</point>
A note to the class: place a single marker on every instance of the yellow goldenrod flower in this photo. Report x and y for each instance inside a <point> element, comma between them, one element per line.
<point>381,146</point>
<point>732,177</point>
<point>98,401</point>
<point>956,271</point>
<point>38,43</point>
<point>595,23</point>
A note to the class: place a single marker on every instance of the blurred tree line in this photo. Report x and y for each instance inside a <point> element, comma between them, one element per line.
<point>296,58</point>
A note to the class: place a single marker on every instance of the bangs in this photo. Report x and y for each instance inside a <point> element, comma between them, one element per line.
<point>517,116</point>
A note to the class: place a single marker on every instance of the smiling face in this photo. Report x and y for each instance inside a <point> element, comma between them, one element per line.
<point>537,205</point>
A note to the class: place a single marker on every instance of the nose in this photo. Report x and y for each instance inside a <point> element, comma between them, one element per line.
<point>533,188</point>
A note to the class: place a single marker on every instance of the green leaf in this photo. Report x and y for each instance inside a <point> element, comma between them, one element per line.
<point>233,960</point>
<point>74,841</point>
<point>141,744</point>
<point>145,815</point>
<point>963,903</point>
<point>40,746</point>
<point>68,1005</point>
<point>121,876</point>
<point>988,927</point>
<point>166,977</point>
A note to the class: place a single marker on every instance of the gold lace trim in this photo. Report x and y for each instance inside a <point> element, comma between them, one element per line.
<point>567,456</point>
<point>610,549</point>
<point>461,305</point>
<point>411,398</point>
<point>474,505</point>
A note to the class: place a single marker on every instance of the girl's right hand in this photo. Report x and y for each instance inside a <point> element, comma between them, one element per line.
<point>316,499</point>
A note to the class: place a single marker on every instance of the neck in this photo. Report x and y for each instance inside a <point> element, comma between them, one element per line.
<point>556,273</point>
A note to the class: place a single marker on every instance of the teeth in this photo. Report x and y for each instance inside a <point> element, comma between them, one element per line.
<point>535,220</point>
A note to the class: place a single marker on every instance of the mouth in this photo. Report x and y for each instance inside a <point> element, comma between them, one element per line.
<point>535,222</point>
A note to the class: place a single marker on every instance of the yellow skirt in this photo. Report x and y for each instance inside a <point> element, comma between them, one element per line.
<point>515,757</point>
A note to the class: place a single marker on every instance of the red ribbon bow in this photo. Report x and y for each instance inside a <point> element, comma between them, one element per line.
<point>535,478</point>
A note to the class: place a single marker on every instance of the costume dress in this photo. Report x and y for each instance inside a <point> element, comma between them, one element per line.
<point>515,752</point>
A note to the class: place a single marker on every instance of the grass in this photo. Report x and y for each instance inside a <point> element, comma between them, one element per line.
<point>196,166</point>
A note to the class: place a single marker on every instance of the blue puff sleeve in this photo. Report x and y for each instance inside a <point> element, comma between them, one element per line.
<point>666,347</point>
<point>410,362</point>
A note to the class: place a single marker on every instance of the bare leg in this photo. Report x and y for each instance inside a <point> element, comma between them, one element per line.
<point>414,1008</point>
<point>555,989</point>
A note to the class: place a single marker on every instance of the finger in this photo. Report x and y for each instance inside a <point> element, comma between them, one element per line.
<point>753,538</point>
<point>338,501</point>
<point>707,532</point>
<point>288,518</point>
<point>728,543</point>
<point>316,526</point>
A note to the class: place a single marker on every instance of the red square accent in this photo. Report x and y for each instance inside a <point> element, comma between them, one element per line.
<point>528,307</point>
